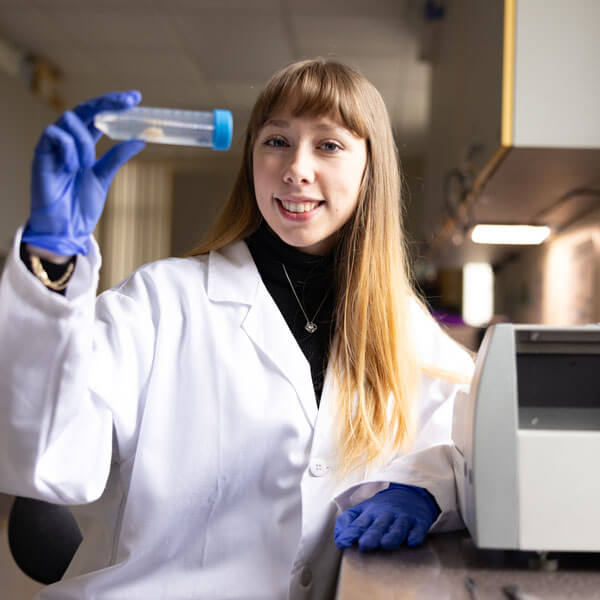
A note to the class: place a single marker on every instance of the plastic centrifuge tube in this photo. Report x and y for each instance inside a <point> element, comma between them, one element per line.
<point>211,129</point>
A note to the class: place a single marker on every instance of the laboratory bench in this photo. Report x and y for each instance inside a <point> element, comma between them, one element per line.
<point>449,567</point>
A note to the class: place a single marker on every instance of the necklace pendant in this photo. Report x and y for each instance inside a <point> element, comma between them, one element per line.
<point>310,327</point>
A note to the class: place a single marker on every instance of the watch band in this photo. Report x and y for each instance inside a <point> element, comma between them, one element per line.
<point>40,273</point>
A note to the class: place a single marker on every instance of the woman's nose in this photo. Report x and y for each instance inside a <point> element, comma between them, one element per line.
<point>300,168</point>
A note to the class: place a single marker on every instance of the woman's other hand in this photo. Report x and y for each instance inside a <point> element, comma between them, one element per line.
<point>397,514</point>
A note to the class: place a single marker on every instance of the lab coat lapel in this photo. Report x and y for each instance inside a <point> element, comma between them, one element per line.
<point>233,277</point>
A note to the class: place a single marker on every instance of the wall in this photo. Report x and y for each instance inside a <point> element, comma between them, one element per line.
<point>22,120</point>
<point>556,283</point>
<point>136,223</point>
<point>197,199</point>
<point>465,109</point>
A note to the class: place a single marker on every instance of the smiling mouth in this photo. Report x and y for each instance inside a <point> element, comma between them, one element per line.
<point>299,207</point>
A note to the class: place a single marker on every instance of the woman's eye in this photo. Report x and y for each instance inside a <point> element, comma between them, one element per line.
<point>275,142</point>
<point>331,146</point>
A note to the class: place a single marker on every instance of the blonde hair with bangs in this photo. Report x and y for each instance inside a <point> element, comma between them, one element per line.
<point>374,360</point>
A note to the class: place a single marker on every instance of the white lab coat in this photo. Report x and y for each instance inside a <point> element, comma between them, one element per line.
<point>177,411</point>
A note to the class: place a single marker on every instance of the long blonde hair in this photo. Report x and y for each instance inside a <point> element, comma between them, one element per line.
<point>374,361</point>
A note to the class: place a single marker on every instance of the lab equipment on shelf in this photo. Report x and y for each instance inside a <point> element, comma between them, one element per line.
<point>213,129</point>
<point>527,440</point>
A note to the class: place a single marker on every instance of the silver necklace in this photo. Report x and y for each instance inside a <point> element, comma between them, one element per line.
<point>310,326</point>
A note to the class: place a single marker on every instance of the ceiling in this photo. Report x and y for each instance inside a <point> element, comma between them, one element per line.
<point>201,54</point>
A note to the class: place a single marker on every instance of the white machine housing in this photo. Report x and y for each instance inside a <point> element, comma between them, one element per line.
<point>527,440</point>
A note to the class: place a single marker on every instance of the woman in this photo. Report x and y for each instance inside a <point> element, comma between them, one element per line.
<point>215,417</point>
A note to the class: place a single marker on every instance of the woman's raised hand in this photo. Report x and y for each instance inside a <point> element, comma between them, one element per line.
<point>68,184</point>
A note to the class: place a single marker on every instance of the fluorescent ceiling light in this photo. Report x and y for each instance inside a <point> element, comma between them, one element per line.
<point>510,234</point>
<point>478,294</point>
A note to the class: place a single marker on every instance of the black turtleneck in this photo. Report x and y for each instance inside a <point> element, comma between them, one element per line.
<point>313,278</point>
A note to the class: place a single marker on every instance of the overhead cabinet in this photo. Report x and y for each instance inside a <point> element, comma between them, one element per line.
<point>515,130</point>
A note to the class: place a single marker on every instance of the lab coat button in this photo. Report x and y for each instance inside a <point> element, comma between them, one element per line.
<point>318,467</point>
<point>305,577</point>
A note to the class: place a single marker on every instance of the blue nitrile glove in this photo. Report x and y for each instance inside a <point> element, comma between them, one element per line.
<point>398,513</point>
<point>68,185</point>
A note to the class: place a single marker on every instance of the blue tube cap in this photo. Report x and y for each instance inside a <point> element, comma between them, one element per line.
<point>223,132</point>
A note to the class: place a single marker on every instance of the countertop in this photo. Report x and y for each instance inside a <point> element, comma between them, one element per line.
<point>439,569</point>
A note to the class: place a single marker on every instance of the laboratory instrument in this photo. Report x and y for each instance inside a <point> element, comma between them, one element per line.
<point>212,129</point>
<point>527,438</point>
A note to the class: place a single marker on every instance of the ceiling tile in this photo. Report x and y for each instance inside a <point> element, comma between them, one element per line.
<point>16,4</point>
<point>389,8</point>
<point>252,8</point>
<point>31,29</point>
<point>236,94</point>
<point>168,77</point>
<point>383,71</point>
<point>71,62</point>
<point>230,47</point>
<point>170,66</point>
<point>95,5</point>
<point>366,36</point>
<point>194,97</point>
<point>117,29</point>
